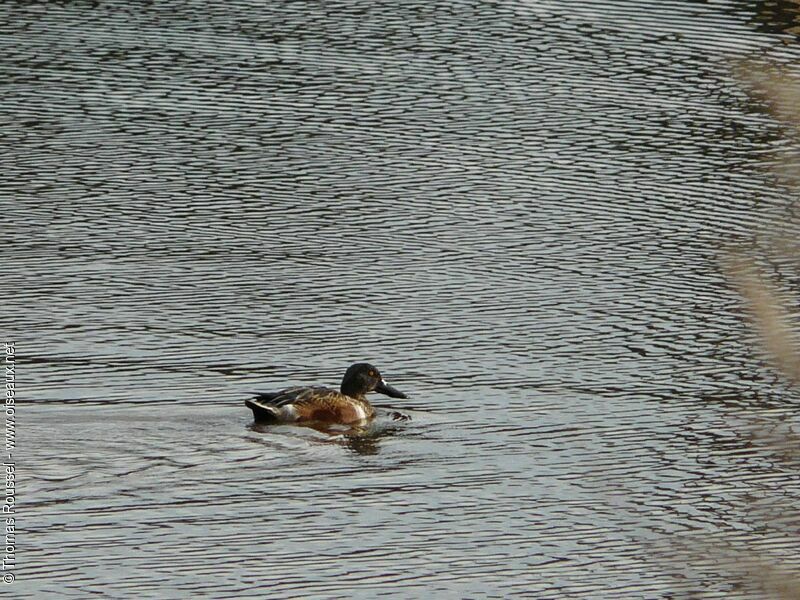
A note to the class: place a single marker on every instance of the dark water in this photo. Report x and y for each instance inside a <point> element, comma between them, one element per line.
<point>514,209</point>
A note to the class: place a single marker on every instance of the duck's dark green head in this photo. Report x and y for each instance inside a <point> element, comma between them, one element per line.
<point>362,378</point>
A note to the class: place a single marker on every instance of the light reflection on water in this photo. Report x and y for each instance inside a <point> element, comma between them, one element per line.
<point>515,210</point>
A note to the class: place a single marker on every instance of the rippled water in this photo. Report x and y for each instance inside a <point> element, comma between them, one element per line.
<point>514,209</point>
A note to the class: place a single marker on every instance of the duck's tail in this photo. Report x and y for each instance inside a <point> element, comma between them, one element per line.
<point>263,411</point>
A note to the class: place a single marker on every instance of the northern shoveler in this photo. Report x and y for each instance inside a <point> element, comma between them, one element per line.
<point>321,404</point>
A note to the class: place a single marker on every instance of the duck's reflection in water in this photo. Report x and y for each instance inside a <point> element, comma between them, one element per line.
<point>362,438</point>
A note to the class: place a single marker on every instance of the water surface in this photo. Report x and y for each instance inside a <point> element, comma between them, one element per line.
<point>515,210</point>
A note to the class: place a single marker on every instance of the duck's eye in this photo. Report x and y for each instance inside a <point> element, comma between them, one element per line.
<point>372,373</point>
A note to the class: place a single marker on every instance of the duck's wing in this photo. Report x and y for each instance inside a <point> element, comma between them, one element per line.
<point>280,406</point>
<point>308,395</point>
<point>297,395</point>
<point>265,397</point>
<point>270,397</point>
<point>309,404</point>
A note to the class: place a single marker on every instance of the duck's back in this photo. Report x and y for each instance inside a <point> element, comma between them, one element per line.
<point>294,394</point>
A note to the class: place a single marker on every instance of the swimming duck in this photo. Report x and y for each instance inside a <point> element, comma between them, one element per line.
<point>349,405</point>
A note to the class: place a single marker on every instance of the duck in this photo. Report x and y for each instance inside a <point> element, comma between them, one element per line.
<point>321,404</point>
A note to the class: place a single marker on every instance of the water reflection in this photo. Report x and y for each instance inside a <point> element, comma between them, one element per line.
<point>361,439</point>
<point>367,441</point>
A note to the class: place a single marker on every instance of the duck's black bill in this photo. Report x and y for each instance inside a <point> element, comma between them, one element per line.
<point>385,388</point>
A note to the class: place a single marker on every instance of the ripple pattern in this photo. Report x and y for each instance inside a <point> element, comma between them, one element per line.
<point>515,209</point>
